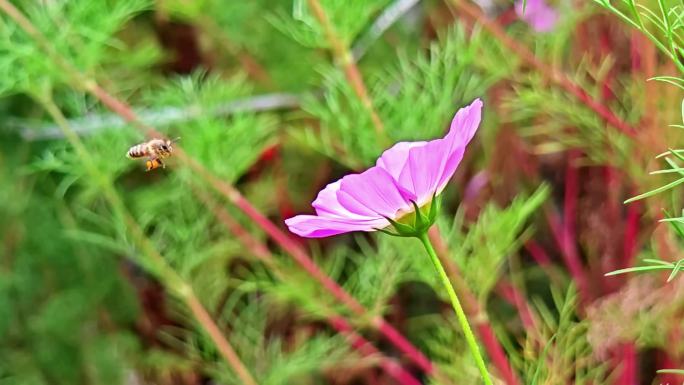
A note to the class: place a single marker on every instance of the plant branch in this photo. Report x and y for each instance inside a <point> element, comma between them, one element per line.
<point>307,263</point>
<point>552,74</point>
<point>339,323</point>
<point>344,58</point>
<point>168,276</point>
<point>228,190</point>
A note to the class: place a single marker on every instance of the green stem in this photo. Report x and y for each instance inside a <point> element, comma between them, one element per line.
<point>460,314</point>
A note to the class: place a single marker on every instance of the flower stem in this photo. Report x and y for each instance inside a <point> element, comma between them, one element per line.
<point>460,314</point>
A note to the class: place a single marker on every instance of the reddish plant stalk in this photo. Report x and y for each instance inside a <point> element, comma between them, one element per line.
<point>550,73</point>
<point>569,235</point>
<point>538,253</point>
<point>344,57</point>
<point>543,260</point>
<point>628,360</point>
<point>564,230</point>
<point>472,308</point>
<point>569,255</point>
<point>631,234</point>
<point>364,347</point>
<point>665,361</point>
<point>613,209</point>
<point>367,349</point>
<point>233,195</point>
<point>167,275</point>
<point>514,297</point>
<point>570,200</point>
<point>303,259</point>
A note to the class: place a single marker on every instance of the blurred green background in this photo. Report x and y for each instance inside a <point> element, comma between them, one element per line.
<point>113,275</point>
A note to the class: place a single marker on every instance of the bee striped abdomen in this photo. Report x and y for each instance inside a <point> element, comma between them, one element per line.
<point>154,150</point>
<point>138,151</point>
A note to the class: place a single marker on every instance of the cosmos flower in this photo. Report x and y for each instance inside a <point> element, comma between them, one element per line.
<point>537,14</point>
<point>406,177</point>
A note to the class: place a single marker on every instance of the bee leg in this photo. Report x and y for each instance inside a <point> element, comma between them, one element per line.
<point>152,163</point>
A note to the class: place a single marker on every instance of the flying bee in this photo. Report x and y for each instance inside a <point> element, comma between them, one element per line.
<point>155,150</point>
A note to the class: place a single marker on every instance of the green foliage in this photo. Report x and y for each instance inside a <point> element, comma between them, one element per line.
<point>481,250</point>
<point>274,360</point>
<point>653,264</point>
<point>662,24</point>
<point>227,146</point>
<point>76,270</point>
<point>81,31</point>
<point>416,99</point>
<point>349,18</point>
<point>65,316</point>
<point>555,122</point>
<point>558,350</point>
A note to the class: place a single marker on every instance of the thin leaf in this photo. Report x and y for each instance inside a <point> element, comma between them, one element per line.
<point>656,191</point>
<point>637,269</point>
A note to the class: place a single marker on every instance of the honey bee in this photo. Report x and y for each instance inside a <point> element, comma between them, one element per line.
<point>155,150</point>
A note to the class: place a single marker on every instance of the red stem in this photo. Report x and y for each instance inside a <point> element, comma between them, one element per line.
<point>569,235</point>
<point>550,73</point>
<point>538,253</point>
<point>631,234</point>
<point>665,361</point>
<point>303,259</point>
<point>234,196</point>
<point>367,349</point>
<point>628,359</point>
<point>513,296</point>
<point>259,250</point>
<point>569,254</point>
<point>570,201</point>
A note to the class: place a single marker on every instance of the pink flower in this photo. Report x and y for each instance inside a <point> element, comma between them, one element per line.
<point>407,173</point>
<point>537,14</point>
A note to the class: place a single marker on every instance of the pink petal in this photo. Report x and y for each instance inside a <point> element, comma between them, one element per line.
<point>312,226</point>
<point>394,159</point>
<point>544,20</point>
<point>537,14</point>
<point>463,128</point>
<point>424,168</point>
<point>373,189</point>
<point>465,123</point>
<point>409,171</point>
<point>327,205</point>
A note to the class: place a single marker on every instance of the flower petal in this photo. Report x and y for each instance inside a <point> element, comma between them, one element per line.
<point>537,14</point>
<point>373,189</point>
<point>409,171</point>
<point>327,205</point>
<point>465,123</point>
<point>463,128</point>
<point>429,166</point>
<point>394,159</point>
<point>434,162</point>
<point>312,226</point>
